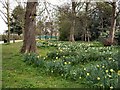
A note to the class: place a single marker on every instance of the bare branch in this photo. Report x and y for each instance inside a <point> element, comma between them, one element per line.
<point>5,15</point>
<point>46,7</point>
<point>45,3</point>
<point>79,8</point>
<point>3,19</point>
<point>41,12</point>
<point>4,4</point>
<point>53,6</point>
<point>18,2</point>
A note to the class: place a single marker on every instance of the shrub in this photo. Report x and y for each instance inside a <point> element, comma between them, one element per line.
<point>16,37</point>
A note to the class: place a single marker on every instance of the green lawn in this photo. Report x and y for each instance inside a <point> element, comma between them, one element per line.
<point>16,74</point>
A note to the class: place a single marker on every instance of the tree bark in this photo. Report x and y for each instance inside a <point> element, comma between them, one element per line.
<point>110,40</point>
<point>71,38</point>
<point>86,22</point>
<point>29,43</point>
<point>8,20</point>
<point>113,23</point>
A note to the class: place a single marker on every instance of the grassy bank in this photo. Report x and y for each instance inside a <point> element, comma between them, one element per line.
<point>16,74</point>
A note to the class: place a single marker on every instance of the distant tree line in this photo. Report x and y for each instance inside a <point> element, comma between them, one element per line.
<point>93,21</point>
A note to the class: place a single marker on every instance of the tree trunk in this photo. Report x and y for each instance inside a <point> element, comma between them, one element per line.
<point>71,38</point>
<point>113,23</point>
<point>51,34</point>
<point>85,37</point>
<point>29,43</point>
<point>110,40</point>
<point>86,21</point>
<point>13,38</point>
<point>51,29</point>
<point>8,20</point>
<point>72,32</point>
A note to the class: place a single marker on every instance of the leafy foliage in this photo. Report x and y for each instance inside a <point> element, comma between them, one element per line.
<point>17,20</point>
<point>95,23</point>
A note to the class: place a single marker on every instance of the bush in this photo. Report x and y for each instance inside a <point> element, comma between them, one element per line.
<point>118,38</point>
<point>16,37</point>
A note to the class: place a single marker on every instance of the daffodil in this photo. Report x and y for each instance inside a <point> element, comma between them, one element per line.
<point>61,74</point>
<point>56,57</point>
<point>111,87</point>
<point>61,50</point>
<point>109,76</point>
<point>106,71</point>
<point>119,72</point>
<point>65,63</point>
<point>44,58</point>
<point>105,77</point>
<point>98,78</point>
<point>111,70</point>
<point>98,66</point>
<point>110,58</point>
<point>38,56</point>
<point>58,44</point>
<point>84,68</point>
<point>63,56</point>
<point>85,50</point>
<point>52,71</point>
<point>88,74</point>
<point>69,62</point>
<point>79,77</point>
<point>101,85</point>
<point>103,66</point>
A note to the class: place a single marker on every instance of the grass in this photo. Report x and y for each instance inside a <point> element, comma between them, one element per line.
<point>43,51</point>
<point>16,74</point>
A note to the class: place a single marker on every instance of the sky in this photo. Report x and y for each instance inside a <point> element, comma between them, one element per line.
<point>13,3</point>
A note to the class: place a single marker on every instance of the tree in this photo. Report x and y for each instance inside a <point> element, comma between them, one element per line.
<point>64,22</point>
<point>72,30</point>
<point>17,22</point>
<point>29,43</point>
<point>6,18</point>
<point>110,39</point>
<point>86,34</point>
<point>100,20</point>
<point>113,23</point>
<point>15,27</point>
<point>92,21</point>
<point>39,27</point>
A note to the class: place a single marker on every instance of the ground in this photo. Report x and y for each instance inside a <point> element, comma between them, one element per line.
<point>17,74</point>
<point>60,65</point>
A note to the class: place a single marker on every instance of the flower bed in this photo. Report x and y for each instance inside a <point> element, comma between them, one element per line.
<point>96,65</point>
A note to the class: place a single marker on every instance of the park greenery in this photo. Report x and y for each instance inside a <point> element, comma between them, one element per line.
<point>92,63</point>
<point>74,45</point>
<point>61,65</point>
<point>17,74</point>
